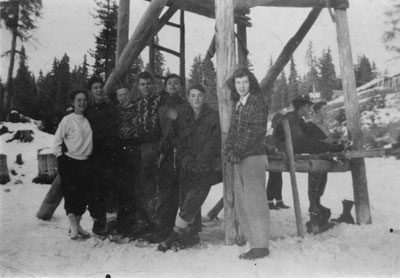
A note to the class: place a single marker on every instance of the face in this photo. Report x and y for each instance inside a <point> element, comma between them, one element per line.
<point>305,110</point>
<point>80,103</point>
<point>242,85</point>
<point>145,87</point>
<point>97,91</point>
<point>323,112</point>
<point>196,99</point>
<point>123,97</point>
<point>173,86</point>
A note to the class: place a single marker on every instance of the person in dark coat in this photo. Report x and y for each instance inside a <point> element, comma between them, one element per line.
<point>129,157</point>
<point>146,191</point>
<point>304,143</point>
<point>199,154</point>
<point>274,186</point>
<point>167,175</point>
<point>104,197</point>
<point>245,149</point>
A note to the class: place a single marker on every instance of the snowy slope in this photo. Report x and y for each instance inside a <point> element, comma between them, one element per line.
<point>33,248</point>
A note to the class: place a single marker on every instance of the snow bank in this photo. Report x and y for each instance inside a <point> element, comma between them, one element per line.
<point>33,248</point>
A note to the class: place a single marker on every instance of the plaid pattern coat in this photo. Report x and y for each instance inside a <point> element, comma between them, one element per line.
<point>248,128</point>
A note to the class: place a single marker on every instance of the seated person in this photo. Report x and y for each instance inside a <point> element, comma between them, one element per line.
<point>303,143</point>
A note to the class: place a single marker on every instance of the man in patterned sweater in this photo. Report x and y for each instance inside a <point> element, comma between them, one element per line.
<point>149,135</point>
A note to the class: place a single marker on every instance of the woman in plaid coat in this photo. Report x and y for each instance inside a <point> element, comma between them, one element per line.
<point>245,149</point>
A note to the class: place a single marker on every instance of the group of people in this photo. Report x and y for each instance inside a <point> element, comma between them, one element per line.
<point>143,168</point>
<point>133,163</point>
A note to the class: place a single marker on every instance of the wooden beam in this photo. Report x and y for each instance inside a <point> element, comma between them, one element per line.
<point>242,45</point>
<point>308,165</point>
<point>292,170</point>
<point>211,49</point>
<point>152,56</point>
<point>144,31</point>
<point>225,50</point>
<point>123,27</point>
<point>293,3</point>
<point>287,52</point>
<point>361,198</point>
<point>170,51</point>
<point>182,58</point>
<point>206,8</point>
<point>173,24</point>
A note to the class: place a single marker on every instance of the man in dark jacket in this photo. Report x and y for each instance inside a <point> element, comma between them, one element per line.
<point>199,154</point>
<point>167,174</point>
<point>104,204</point>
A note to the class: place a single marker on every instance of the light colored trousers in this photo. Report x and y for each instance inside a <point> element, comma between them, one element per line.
<point>251,201</point>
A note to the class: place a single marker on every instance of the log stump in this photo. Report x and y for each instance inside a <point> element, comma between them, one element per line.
<point>4,176</point>
<point>23,136</point>
<point>51,201</point>
<point>47,165</point>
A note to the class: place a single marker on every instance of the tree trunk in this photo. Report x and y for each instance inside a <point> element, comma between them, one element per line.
<point>47,166</point>
<point>8,98</point>
<point>51,201</point>
<point>4,176</point>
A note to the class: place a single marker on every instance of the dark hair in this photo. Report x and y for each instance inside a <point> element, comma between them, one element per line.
<point>94,79</point>
<point>172,75</point>
<point>319,105</point>
<point>241,72</point>
<point>298,104</point>
<point>196,86</point>
<point>276,119</point>
<point>145,75</point>
<point>73,95</point>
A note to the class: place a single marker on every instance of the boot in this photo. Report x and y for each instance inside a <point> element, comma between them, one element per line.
<point>281,205</point>
<point>173,239</point>
<point>74,226</point>
<point>255,253</point>
<point>83,233</point>
<point>319,220</point>
<point>99,226</point>
<point>346,216</point>
<point>271,205</point>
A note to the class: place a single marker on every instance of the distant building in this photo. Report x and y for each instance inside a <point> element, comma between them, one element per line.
<point>315,96</point>
<point>388,82</point>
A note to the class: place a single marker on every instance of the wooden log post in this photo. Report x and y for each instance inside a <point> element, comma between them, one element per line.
<point>182,70</point>
<point>292,170</point>
<point>47,168</point>
<point>225,52</point>
<point>213,213</point>
<point>4,176</point>
<point>242,45</point>
<point>142,33</point>
<point>152,57</point>
<point>363,212</point>
<point>123,27</point>
<point>51,201</point>
<point>287,52</point>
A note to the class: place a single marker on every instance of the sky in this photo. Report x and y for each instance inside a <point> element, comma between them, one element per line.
<point>67,26</point>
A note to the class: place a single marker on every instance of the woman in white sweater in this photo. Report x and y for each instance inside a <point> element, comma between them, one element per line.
<point>73,144</point>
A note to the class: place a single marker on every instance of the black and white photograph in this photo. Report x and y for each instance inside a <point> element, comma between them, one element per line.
<point>199,138</point>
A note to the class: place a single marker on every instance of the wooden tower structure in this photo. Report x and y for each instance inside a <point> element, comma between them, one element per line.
<point>227,13</point>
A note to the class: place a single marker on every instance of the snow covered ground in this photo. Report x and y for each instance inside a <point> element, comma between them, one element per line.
<point>33,248</point>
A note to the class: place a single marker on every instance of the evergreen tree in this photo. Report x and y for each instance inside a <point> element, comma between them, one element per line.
<point>24,89</point>
<point>293,82</point>
<point>281,89</point>
<point>63,79</point>
<point>79,75</point>
<point>106,40</point>
<point>210,82</point>
<point>159,65</point>
<point>391,37</point>
<point>312,74</point>
<point>327,75</point>
<point>196,74</point>
<point>363,71</point>
<point>19,18</point>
